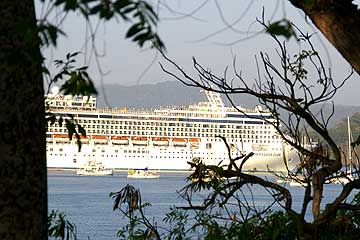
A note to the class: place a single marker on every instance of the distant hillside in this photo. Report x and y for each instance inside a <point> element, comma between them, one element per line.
<point>174,93</point>
<point>169,93</point>
<point>340,131</point>
<point>341,112</point>
<point>149,95</point>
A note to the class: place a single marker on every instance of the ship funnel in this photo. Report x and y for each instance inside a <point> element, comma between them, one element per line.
<point>214,98</point>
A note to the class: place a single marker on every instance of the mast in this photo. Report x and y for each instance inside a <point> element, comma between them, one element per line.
<point>349,144</point>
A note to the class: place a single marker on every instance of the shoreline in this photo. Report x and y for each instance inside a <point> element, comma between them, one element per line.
<point>158,170</point>
<point>117,170</point>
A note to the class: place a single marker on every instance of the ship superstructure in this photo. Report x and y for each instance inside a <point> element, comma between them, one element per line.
<point>165,138</point>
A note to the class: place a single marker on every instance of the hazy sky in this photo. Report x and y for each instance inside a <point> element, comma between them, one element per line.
<point>203,34</point>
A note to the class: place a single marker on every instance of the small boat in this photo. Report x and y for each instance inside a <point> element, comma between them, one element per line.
<point>61,137</point>
<point>293,181</point>
<point>342,179</point>
<point>282,179</point>
<point>158,141</point>
<point>120,140</point>
<point>93,168</point>
<point>142,174</point>
<point>299,181</point>
<point>179,142</point>
<point>99,139</point>
<point>194,142</point>
<point>141,141</point>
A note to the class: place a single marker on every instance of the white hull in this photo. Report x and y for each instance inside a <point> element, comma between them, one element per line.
<point>113,156</point>
<point>97,173</point>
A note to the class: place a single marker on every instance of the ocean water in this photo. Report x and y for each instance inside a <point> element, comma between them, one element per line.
<point>85,200</point>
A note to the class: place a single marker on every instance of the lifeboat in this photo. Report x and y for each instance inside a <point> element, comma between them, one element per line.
<point>139,141</point>
<point>99,139</point>
<point>83,139</point>
<point>179,142</point>
<point>61,137</point>
<point>120,140</point>
<point>158,141</point>
<point>194,142</point>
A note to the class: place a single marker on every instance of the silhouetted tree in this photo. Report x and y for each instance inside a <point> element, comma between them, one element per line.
<point>289,89</point>
<point>339,21</point>
<point>23,184</point>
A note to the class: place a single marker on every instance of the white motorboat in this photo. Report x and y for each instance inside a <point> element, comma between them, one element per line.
<point>143,174</point>
<point>93,168</point>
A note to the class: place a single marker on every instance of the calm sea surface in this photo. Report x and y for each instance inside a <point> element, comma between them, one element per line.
<point>86,201</point>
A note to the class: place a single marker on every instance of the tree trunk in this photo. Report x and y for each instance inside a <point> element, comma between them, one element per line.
<point>339,21</point>
<point>23,186</point>
<point>317,196</point>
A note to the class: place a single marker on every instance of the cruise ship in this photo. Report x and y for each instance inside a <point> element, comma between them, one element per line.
<point>165,138</point>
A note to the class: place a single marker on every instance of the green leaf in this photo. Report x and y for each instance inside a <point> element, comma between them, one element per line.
<point>134,29</point>
<point>96,9</point>
<point>281,28</point>
<point>74,54</point>
<point>70,5</point>
<point>106,13</point>
<point>48,33</point>
<point>129,9</point>
<point>120,4</point>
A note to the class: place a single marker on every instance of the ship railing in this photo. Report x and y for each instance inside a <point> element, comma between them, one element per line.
<point>205,112</point>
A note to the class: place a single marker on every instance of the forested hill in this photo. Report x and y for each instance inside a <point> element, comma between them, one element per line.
<point>169,93</point>
<point>173,93</point>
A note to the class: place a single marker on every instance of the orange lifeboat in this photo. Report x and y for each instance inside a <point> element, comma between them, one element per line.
<point>120,140</point>
<point>194,142</point>
<point>158,141</point>
<point>179,142</point>
<point>99,139</point>
<point>61,137</point>
<point>139,141</point>
<point>83,139</point>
